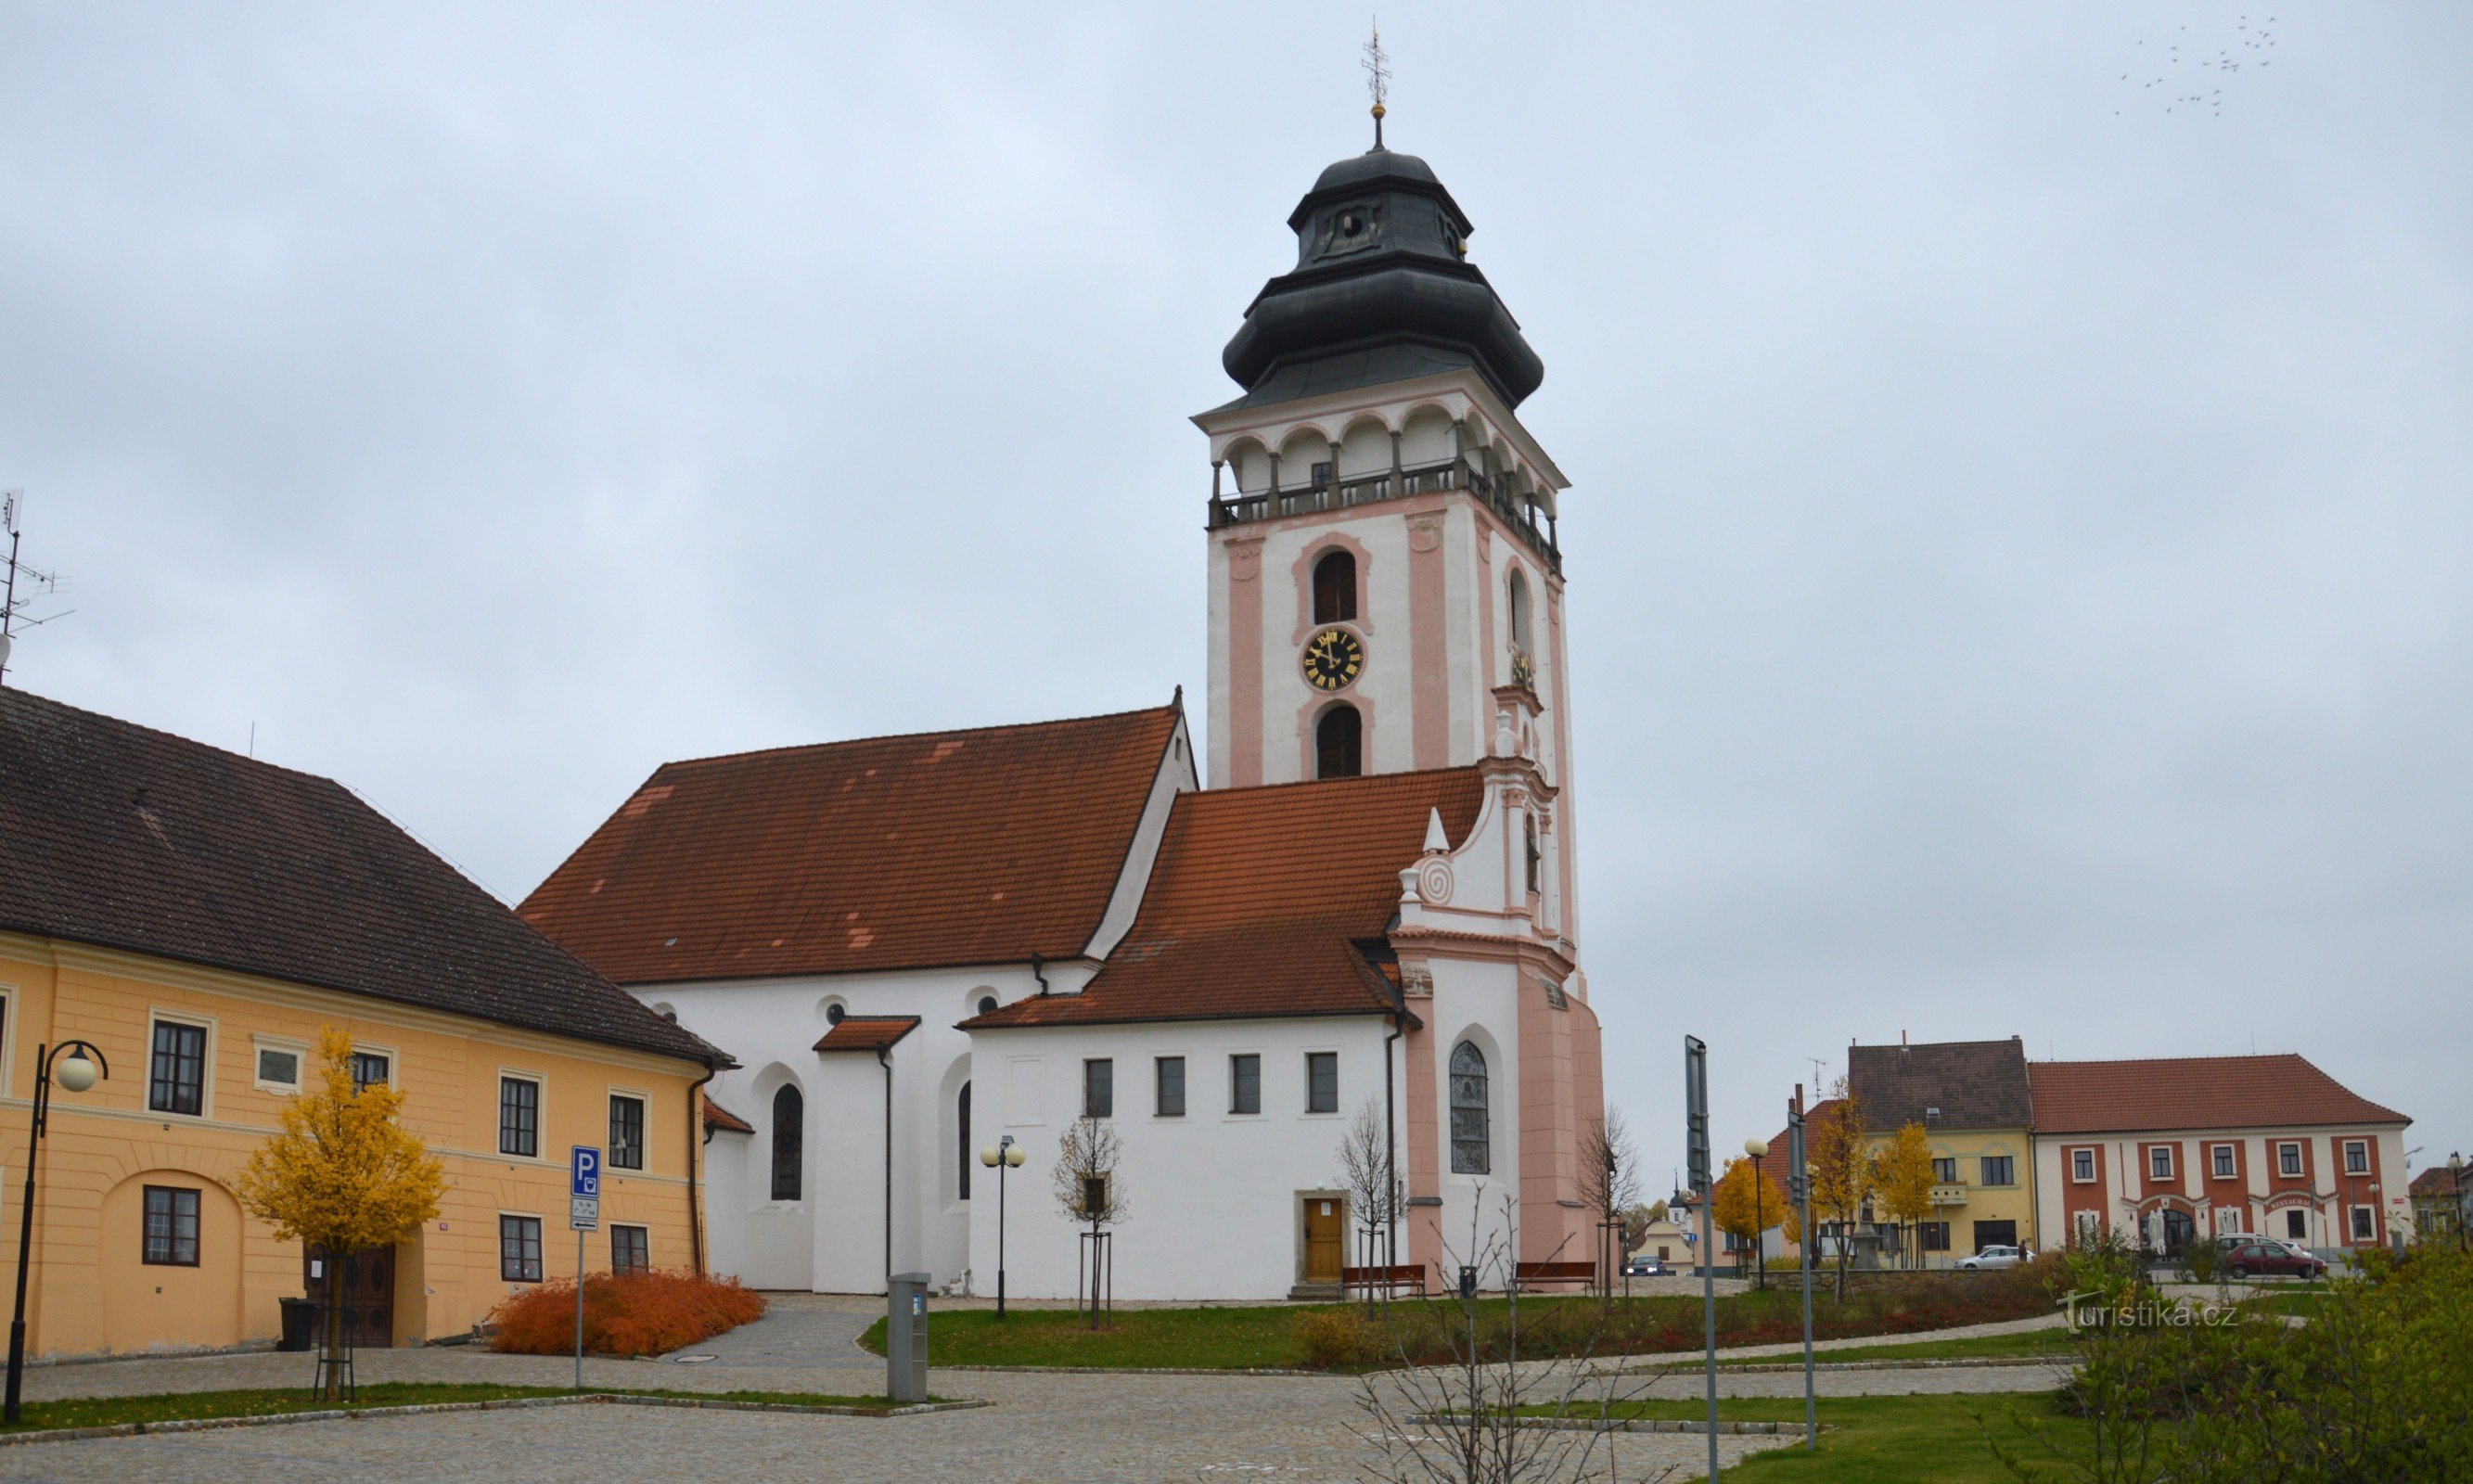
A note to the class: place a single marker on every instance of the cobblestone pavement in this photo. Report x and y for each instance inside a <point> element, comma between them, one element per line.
<point>1045,1430</point>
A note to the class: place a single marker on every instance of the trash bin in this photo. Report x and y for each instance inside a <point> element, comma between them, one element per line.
<point>299,1324</point>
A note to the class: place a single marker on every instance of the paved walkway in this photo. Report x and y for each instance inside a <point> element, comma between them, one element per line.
<point>1045,1428</point>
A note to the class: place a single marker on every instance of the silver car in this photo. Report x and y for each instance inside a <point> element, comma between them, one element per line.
<point>1994,1258</point>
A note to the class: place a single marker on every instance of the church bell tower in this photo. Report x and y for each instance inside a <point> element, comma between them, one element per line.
<point>1386,582</point>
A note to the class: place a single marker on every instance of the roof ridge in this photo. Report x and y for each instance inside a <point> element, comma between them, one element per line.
<point>2132,1061</point>
<point>905,737</point>
<point>20,692</point>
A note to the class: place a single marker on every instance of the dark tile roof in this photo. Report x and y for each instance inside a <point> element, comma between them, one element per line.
<point>716,1116</point>
<point>123,837</point>
<point>1975,1084</point>
<point>937,848</point>
<point>1267,902</point>
<point>867,1032</point>
<point>2194,1093</point>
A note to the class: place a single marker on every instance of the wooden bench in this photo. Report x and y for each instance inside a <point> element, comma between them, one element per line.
<point>1538,1274</point>
<point>1390,1278</point>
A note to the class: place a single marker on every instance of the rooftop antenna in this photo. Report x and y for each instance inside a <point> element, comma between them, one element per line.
<point>13,608</point>
<point>1377,78</point>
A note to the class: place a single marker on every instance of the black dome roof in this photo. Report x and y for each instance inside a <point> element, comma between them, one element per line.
<point>1382,290</point>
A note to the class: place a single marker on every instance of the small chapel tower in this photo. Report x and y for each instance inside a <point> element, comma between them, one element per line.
<point>1387,581</point>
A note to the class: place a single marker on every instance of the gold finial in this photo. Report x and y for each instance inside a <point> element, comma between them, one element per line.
<point>1378,79</point>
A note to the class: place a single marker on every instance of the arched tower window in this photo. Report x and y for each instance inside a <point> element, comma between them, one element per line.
<point>1520,625</point>
<point>1472,1123</point>
<point>1536,857</point>
<point>1335,588</point>
<point>789,1142</point>
<point>1339,743</point>
<point>962,1122</point>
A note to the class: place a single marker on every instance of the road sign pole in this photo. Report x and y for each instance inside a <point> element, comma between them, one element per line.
<point>1802,1196</point>
<point>579,1308</point>
<point>1695,1095</point>
<point>584,1215</point>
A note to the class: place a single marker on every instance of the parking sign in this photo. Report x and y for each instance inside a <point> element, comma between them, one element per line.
<point>583,1181</point>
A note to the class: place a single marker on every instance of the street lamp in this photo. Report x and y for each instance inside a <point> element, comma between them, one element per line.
<point>1758,1150</point>
<point>1001,1155</point>
<point>2456,1167</point>
<point>77,1072</point>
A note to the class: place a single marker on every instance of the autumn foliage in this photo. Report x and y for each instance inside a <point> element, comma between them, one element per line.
<point>624,1314</point>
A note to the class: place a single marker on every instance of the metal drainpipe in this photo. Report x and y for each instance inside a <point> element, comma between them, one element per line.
<point>884,1059</point>
<point>1390,1155</point>
<point>695,1211</point>
<point>1036,964</point>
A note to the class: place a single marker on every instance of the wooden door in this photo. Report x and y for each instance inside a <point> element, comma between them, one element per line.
<point>1326,1229</point>
<point>368,1281</point>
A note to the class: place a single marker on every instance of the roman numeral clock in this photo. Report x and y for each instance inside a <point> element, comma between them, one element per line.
<point>1332,659</point>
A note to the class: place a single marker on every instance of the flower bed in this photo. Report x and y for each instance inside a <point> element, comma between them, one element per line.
<point>624,1314</point>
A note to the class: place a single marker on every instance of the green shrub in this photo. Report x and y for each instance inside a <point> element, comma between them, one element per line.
<point>1334,1338</point>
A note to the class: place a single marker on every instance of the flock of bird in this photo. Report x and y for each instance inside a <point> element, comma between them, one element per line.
<point>2258,40</point>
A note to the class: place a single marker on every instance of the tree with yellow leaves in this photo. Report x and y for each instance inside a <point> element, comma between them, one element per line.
<point>1838,1163</point>
<point>341,1175</point>
<point>1905,1175</point>
<point>1747,1202</point>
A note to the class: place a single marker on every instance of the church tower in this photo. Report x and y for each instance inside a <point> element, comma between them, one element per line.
<point>1386,582</point>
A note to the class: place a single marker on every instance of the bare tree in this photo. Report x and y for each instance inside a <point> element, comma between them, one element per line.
<point>1089,1192</point>
<point>1374,1198</point>
<point>1609,1185</point>
<point>1474,1418</point>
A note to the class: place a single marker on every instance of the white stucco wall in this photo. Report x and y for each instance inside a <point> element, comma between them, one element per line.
<point>1211,1196</point>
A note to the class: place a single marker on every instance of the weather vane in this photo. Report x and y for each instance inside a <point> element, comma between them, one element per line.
<point>1378,79</point>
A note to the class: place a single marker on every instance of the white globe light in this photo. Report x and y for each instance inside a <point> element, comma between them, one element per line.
<point>1015,1156</point>
<point>988,1156</point>
<point>1756,1148</point>
<point>76,1074</point>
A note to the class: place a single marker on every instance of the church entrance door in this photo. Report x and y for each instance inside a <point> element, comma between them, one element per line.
<point>1326,1227</point>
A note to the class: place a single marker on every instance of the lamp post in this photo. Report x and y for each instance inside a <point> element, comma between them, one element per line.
<point>77,1072</point>
<point>2456,1167</point>
<point>1758,1150</point>
<point>1001,1155</point>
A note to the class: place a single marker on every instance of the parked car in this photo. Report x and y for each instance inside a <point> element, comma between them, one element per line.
<point>1996,1257</point>
<point>1647,1267</point>
<point>2299,1251</point>
<point>2262,1257</point>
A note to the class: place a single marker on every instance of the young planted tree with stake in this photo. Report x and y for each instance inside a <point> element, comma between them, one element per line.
<point>342,1176</point>
<point>1367,1175</point>
<point>1089,1192</point>
<point>1904,1178</point>
<point>1610,1187</point>
<point>1839,1161</point>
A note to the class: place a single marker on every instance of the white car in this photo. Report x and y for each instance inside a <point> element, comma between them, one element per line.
<point>1995,1257</point>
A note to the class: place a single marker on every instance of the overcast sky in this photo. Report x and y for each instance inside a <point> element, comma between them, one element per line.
<point>2019,529</point>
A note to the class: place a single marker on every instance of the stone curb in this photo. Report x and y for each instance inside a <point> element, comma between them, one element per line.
<point>1142,1371</point>
<point>1962,1363</point>
<point>499,1404</point>
<point>1634,1424</point>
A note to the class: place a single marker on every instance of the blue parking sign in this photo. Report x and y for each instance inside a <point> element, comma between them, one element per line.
<point>585,1175</point>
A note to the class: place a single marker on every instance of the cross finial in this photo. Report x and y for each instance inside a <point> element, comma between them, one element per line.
<point>1378,79</point>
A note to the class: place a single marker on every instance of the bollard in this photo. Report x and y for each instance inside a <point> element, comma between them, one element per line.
<point>905,1338</point>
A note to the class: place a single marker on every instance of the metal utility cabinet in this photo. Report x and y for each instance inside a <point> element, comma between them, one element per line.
<point>905,1338</point>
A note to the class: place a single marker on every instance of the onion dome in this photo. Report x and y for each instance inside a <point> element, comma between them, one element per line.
<point>1383,291</point>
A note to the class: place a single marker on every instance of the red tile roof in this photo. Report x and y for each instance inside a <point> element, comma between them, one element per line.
<point>867,1032</point>
<point>2437,1181</point>
<point>981,846</point>
<point>2193,1093</point>
<point>1267,902</point>
<point>124,837</point>
<point>716,1116</point>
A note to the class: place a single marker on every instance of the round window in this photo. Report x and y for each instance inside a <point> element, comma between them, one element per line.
<point>987,1004</point>
<point>833,1014</point>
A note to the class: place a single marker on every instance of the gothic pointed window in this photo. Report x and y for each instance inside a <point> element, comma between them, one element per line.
<point>962,1121</point>
<point>1472,1131</point>
<point>1335,588</point>
<point>1339,743</point>
<point>1521,637</point>
<point>789,1143</point>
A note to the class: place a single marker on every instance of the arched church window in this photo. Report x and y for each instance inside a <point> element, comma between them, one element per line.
<point>987,1004</point>
<point>789,1142</point>
<point>1472,1122</point>
<point>962,1122</point>
<point>1536,857</point>
<point>1339,743</point>
<point>1521,638</point>
<point>1335,588</point>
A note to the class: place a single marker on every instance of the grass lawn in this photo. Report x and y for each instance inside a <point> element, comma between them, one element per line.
<point>1266,1337</point>
<point>1879,1440</point>
<point>109,1411</point>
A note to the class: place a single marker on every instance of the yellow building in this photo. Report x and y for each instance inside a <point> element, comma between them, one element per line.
<point>198,917</point>
<point>1971,1099</point>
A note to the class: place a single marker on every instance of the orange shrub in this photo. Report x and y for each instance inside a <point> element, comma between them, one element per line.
<point>624,1314</point>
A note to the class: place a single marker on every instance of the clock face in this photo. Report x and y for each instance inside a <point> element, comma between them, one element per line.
<point>1334,658</point>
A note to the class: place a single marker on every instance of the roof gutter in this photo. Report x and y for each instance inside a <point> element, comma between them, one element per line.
<point>695,1145</point>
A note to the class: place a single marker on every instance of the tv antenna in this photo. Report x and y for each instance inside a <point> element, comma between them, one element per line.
<point>1378,79</point>
<point>13,608</point>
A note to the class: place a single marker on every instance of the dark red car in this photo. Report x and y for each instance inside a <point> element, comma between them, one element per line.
<point>2264,1257</point>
